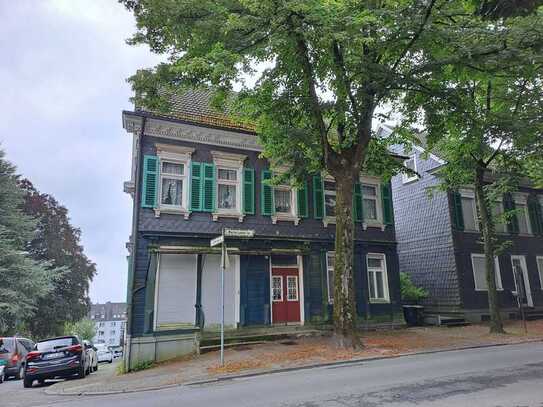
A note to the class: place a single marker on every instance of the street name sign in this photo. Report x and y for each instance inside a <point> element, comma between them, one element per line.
<point>217,241</point>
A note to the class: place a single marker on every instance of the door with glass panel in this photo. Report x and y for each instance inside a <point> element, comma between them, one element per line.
<point>522,282</point>
<point>285,295</point>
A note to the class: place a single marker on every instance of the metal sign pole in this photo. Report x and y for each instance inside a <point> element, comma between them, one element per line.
<point>223,261</point>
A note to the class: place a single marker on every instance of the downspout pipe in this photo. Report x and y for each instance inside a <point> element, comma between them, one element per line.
<point>132,266</point>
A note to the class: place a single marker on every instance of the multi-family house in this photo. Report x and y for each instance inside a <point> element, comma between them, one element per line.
<point>439,243</point>
<point>109,322</point>
<point>196,172</point>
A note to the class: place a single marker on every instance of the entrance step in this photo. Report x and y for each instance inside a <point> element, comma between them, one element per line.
<point>533,314</point>
<point>450,320</point>
<point>210,340</point>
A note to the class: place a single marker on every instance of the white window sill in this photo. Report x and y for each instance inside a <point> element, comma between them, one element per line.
<point>329,220</point>
<point>373,224</point>
<point>410,180</point>
<point>235,215</point>
<point>285,217</point>
<point>484,290</point>
<point>378,301</point>
<point>175,211</point>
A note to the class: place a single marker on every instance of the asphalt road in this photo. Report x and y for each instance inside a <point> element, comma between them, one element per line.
<point>498,377</point>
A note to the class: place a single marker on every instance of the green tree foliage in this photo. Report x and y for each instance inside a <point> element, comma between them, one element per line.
<point>23,281</point>
<point>409,291</point>
<point>322,68</point>
<point>486,120</point>
<point>83,328</point>
<point>57,241</point>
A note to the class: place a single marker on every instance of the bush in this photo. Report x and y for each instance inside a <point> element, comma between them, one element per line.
<point>409,291</point>
<point>84,329</point>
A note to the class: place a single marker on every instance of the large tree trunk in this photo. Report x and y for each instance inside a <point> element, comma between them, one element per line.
<point>489,235</point>
<point>345,318</point>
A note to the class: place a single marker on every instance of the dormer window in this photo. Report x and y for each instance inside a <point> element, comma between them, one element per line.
<point>411,164</point>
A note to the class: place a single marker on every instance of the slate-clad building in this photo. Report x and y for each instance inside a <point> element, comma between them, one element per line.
<point>439,244</point>
<point>195,172</point>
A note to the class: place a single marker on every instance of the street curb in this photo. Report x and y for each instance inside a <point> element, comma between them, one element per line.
<point>49,391</point>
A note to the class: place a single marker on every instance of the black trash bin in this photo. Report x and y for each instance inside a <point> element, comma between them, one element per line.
<point>414,315</point>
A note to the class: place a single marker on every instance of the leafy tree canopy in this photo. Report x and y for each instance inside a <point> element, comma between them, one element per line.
<point>57,241</point>
<point>23,281</point>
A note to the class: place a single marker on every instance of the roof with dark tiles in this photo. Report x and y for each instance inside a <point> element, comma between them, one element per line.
<point>194,105</point>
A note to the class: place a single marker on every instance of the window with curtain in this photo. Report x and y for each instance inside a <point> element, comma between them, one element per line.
<point>227,189</point>
<point>523,217</point>
<point>497,212</point>
<point>329,199</point>
<point>469,210</point>
<point>370,202</point>
<point>377,277</point>
<point>330,264</point>
<point>479,272</point>
<point>283,200</point>
<point>172,181</point>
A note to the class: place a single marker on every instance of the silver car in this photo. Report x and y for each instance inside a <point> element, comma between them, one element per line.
<point>103,353</point>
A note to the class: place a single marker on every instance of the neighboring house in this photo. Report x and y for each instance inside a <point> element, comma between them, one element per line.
<point>110,322</point>
<point>439,244</point>
<point>195,172</point>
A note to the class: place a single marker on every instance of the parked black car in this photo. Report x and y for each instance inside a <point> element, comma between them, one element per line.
<point>13,351</point>
<point>53,358</point>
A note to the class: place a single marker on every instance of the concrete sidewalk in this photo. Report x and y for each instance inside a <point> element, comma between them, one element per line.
<point>296,353</point>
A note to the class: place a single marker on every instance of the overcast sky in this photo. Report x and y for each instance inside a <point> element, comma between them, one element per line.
<point>62,90</point>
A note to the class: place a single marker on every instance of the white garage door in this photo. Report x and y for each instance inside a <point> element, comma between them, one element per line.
<point>211,294</point>
<point>176,293</point>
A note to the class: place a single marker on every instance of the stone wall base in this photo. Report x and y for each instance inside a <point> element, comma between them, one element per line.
<point>157,348</point>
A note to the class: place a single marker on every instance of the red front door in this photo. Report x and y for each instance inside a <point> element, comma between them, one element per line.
<point>285,293</point>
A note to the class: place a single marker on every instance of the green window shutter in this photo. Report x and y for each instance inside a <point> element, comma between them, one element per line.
<point>318,197</point>
<point>535,218</point>
<point>196,186</point>
<point>249,191</point>
<point>266,201</point>
<point>150,181</point>
<point>458,216</point>
<point>388,211</point>
<point>208,187</point>
<point>509,205</point>
<point>303,200</point>
<point>357,203</point>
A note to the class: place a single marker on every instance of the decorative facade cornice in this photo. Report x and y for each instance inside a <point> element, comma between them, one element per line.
<point>132,123</point>
<point>199,134</point>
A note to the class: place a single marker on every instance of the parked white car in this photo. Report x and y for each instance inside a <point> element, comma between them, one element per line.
<point>103,353</point>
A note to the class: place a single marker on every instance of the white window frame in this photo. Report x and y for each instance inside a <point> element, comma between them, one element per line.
<point>521,198</point>
<point>374,182</point>
<point>470,193</point>
<point>499,287</point>
<point>292,216</point>
<point>326,220</point>
<point>234,162</point>
<point>329,284</point>
<point>174,155</point>
<point>386,292</point>
<point>539,263</point>
<point>297,289</point>
<point>407,178</point>
<point>499,204</point>
<point>282,293</point>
